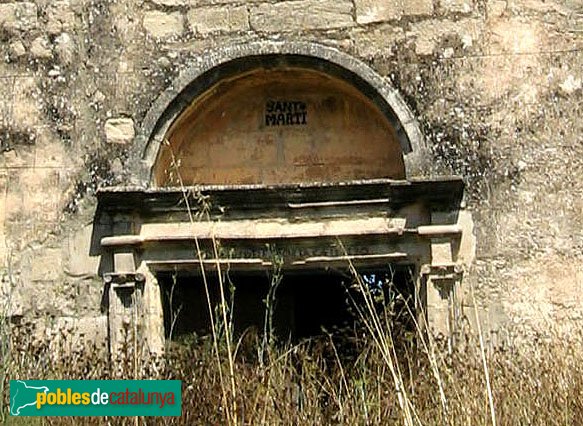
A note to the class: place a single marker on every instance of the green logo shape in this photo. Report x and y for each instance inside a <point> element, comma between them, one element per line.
<point>95,397</point>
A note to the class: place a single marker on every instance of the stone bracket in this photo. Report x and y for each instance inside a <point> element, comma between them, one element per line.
<point>442,284</point>
<point>124,281</point>
<point>436,269</point>
<point>124,307</point>
<point>443,277</point>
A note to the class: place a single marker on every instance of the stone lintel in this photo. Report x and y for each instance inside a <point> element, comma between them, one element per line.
<point>278,229</point>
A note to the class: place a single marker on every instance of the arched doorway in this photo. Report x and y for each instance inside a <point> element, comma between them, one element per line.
<point>293,149</point>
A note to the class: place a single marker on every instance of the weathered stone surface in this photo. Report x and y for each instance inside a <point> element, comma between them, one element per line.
<point>5,107</point>
<point>532,301</point>
<point>467,250</point>
<point>218,19</point>
<point>570,85</point>
<point>3,247</point>
<point>457,6</point>
<point>513,40</point>
<point>69,334</point>
<point>173,3</point>
<point>46,265</point>
<point>418,7</point>
<point>369,11</point>
<point>79,263</point>
<point>153,314</point>
<point>40,48</point>
<point>495,9</point>
<point>11,301</point>
<point>163,25</point>
<point>377,42</point>
<point>119,130</point>
<point>50,152</point>
<point>428,34</point>
<point>45,204</point>
<point>302,15</point>
<point>17,49</point>
<point>15,17</point>
<point>23,158</point>
<point>26,110</point>
<point>65,48</point>
<point>60,17</point>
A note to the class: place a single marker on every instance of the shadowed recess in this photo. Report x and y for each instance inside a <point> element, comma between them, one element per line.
<point>279,125</point>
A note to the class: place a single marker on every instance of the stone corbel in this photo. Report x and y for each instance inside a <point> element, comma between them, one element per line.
<point>124,307</point>
<point>443,277</point>
<point>442,284</point>
<point>124,280</point>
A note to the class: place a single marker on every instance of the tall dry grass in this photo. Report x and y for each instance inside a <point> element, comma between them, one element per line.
<point>330,380</point>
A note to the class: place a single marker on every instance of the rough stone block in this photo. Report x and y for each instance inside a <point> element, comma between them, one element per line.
<point>28,201</point>
<point>438,319</point>
<point>13,200</point>
<point>378,42</point>
<point>467,249</point>
<point>48,211</point>
<point>87,330</point>
<point>89,293</point>
<point>16,17</point>
<point>119,130</point>
<point>79,263</point>
<point>302,15</point>
<point>428,34</point>
<point>50,152</point>
<point>11,299</point>
<point>369,11</point>
<point>60,17</point>
<point>16,49</point>
<point>3,251</point>
<point>67,334</point>
<point>208,20</point>
<point>457,6</point>
<point>441,252</point>
<point>127,85</point>
<point>26,109</point>
<point>6,97</point>
<point>173,3</point>
<point>570,85</point>
<point>65,48</point>
<point>46,265</point>
<point>495,9</point>
<point>20,156</point>
<point>418,7</point>
<point>40,48</point>
<point>163,25</point>
<point>3,248</point>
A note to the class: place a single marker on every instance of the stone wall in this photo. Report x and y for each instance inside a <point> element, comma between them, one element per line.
<point>496,85</point>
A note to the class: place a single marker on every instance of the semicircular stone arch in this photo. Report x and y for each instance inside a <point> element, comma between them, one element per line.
<point>277,113</point>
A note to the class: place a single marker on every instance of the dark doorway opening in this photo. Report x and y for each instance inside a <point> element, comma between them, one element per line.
<point>301,304</point>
